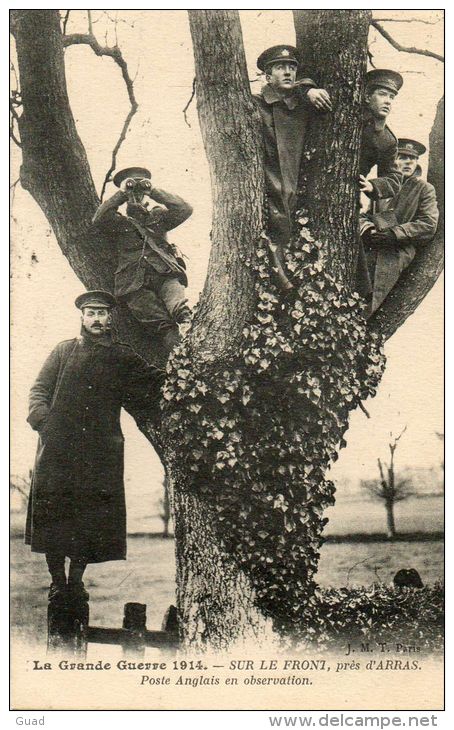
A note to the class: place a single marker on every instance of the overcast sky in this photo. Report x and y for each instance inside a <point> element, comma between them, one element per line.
<point>157,47</point>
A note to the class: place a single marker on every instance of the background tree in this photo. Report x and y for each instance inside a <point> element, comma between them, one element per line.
<point>389,489</point>
<point>164,505</point>
<point>245,551</point>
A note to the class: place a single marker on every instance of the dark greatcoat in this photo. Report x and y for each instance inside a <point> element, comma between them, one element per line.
<point>77,499</point>
<point>143,244</point>
<point>378,147</point>
<point>284,122</point>
<point>415,208</point>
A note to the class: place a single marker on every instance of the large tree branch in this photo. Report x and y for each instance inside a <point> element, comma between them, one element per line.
<point>421,275</point>
<point>230,128</point>
<point>404,49</point>
<point>115,53</point>
<point>55,168</point>
<point>332,142</point>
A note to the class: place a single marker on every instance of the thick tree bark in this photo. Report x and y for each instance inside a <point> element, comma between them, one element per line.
<point>333,45</point>
<point>215,599</point>
<point>230,128</point>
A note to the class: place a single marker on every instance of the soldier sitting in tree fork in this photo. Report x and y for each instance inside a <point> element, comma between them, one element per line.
<point>150,276</point>
<point>399,225</point>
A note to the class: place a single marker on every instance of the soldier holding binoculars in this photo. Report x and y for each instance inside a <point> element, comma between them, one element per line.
<point>150,276</point>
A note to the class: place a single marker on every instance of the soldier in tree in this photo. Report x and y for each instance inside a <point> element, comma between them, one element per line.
<point>378,148</point>
<point>150,276</point>
<point>400,224</point>
<point>285,112</point>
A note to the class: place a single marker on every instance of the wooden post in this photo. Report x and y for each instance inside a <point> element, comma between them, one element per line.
<point>67,624</point>
<point>135,625</point>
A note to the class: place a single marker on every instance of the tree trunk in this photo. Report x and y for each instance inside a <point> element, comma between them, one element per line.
<point>166,508</point>
<point>333,45</point>
<point>390,523</point>
<point>215,599</point>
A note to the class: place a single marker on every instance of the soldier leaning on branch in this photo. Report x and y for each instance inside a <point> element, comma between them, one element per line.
<point>77,507</point>
<point>285,111</point>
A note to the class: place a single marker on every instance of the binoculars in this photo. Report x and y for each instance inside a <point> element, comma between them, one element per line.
<point>133,185</point>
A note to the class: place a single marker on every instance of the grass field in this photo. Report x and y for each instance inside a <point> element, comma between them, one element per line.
<point>148,577</point>
<point>148,574</point>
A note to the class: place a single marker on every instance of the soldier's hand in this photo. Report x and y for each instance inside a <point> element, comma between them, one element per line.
<point>365,185</point>
<point>383,237</point>
<point>320,99</point>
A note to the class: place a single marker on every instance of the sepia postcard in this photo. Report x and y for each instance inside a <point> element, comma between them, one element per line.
<point>227,425</point>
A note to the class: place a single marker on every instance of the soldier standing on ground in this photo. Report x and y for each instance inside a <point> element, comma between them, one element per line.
<point>77,507</point>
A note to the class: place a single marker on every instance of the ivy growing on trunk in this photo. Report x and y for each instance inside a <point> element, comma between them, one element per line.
<point>304,362</point>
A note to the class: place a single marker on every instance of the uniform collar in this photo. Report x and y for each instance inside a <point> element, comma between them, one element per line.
<point>272,97</point>
<point>378,124</point>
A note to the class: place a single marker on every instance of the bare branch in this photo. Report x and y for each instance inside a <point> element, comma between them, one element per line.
<point>115,53</point>
<point>115,150</point>
<point>65,21</point>
<point>382,475</point>
<point>405,49</point>
<point>407,20</point>
<point>397,438</point>
<point>13,119</point>
<point>189,103</point>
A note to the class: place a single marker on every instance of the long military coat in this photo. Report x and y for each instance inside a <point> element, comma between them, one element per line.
<point>144,244</point>
<point>77,499</point>
<point>284,122</point>
<point>379,147</point>
<point>415,208</point>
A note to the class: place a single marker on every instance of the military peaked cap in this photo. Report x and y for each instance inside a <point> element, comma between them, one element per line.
<point>385,78</point>
<point>96,298</point>
<point>277,54</point>
<point>134,172</point>
<point>410,147</point>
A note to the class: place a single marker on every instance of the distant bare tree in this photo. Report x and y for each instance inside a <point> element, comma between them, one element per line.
<point>388,488</point>
<point>20,485</point>
<point>441,437</point>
